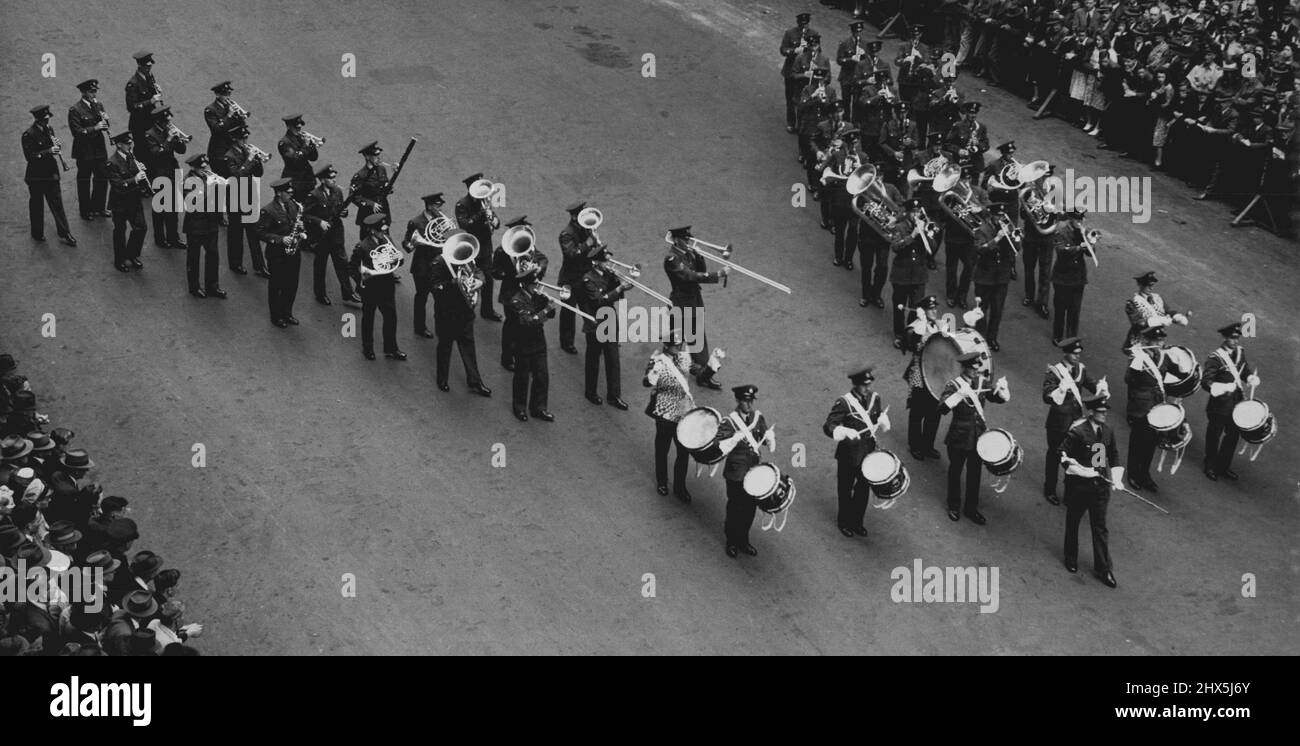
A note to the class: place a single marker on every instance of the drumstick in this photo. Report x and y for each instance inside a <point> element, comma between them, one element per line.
<point>874,426</point>
<point>1066,460</point>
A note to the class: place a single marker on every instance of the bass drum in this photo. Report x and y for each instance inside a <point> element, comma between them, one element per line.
<point>939,357</point>
<point>697,432</point>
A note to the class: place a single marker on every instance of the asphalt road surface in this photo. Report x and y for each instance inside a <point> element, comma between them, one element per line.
<point>321,464</point>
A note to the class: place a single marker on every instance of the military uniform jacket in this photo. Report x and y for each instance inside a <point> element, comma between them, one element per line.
<point>743,457</point>
<point>685,273</point>
<point>325,203</point>
<point>43,166</point>
<point>162,152</point>
<point>275,224</point>
<point>531,311</point>
<point>843,415</point>
<point>600,288</point>
<point>806,62</point>
<point>124,193</point>
<point>205,220</point>
<point>1091,449</point>
<point>88,143</point>
<point>452,311</point>
<point>471,217</point>
<point>506,270</point>
<point>790,42</point>
<point>1216,370</point>
<point>297,155</point>
<point>220,117</point>
<point>967,425</point>
<point>574,243</point>
<point>367,192</point>
<point>844,58</point>
<point>961,134</point>
<point>899,136</point>
<point>361,258</point>
<point>1061,416</point>
<point>424,255</point>
<point>1144,391</point>
<point>140,90</point>
<point>995,263</point>
<point>1071,265</point>
<point>911,263</point>
<point>239,161</point>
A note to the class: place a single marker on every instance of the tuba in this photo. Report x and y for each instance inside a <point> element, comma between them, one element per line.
<point>872,204</point>
<point>957,200</point>
<point>460,251</point>
<point>1040,212</point>
<point>517,242</point>
<point>481,190</point>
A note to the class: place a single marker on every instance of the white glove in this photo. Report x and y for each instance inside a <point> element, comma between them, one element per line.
<point>1002,388</point>
<point>918,327</point>
<point>1252,379</point>
<point>1180,319</point>
<point>952,401</point>
<point>769,438</point>
<point>972,316</point>
<point>715,359</point>
<point>1103,388</point>
<point>652,377</point>
<point>1117,477</point>
<point>844,433</point>
<point>1219,389</point>
<point>192,630</point>
<point>883,424</point>
<point>1058,396</point>
<point>1081,471</point>
<point>729,444</point>
<point>1157,320</point>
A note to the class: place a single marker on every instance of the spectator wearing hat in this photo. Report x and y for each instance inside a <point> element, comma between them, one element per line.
<point>241,162</point>
<point>369,186</point>
<point>423,255</point>
<point>163,143</point>
<point>1145,390</point>
<point>89,126</point>
<point>1069,275</point>
<point>137,576</point>
<point>169,628</point>
<point>853,422</point>
<point>127,183</point>
<point>670,399</point>
<point>202,223</point>
<point>740,436</point>
<point>325,208</point>
<point>1094,470</point>
<point>603,287</point>
<point>81,626</point>
<point>298,151</point>
<point>793,43</point>
<point>142,95</point>
<point>455,280</point>
<point>1063,387</point>
<point>278,228</point>
<point>377,289</point>
<point>222,115</point>
<point>964,397</point>
<point>41,148</point>
<point>1225,375</point>
<point>43,457</point>
<point>575,243</point>
<point>511,272</point>
<point>27,517</point>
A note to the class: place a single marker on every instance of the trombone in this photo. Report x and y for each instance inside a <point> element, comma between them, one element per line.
<point>629,272</point>
<point>722,254</point>
<point>562,293</point>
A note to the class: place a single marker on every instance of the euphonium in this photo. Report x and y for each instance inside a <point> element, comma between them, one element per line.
<point>872,204</point>
<point>957,201</point>
<point>1039,211</point>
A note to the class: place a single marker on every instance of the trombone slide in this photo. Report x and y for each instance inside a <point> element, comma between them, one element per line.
<point>726,251</point>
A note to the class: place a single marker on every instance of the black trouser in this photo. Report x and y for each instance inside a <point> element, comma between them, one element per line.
<point>853,490</point>
<point>204,244</point>
<point>959,459</point>
<point>568,319</point>
<point>423,287</point>
<point>1052,466</point>
<point>379,295</point>
<point>509,328</point>
<point>530,396</point>
<point>993,298</point>
<point>1141,449</point>
<point>1037,255</point>
<point>282,288</point>
<point>1066,307</point>
<point>235,234</point>
<point>907,296</point>
<point>125,249</point>
<point>1095,506</point>
<point>922,420</point>
<point>1221,438</point>
<point>462,335</point>
<point>957,255</point>
<point>92,186</point>
<point>874,273</point>
<point>166,224</point>
<point>792,88</point>
<point>46,190</point>
<point>485,299</point>
<point>326,253</point>
<point>613,380</point>
<point>740,514</point>
<point>700,357</point>
<point>846,224</point>
<point>665,435</point>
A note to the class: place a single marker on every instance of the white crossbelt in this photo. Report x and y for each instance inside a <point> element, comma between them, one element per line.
<point>744,429</point>
<point>1231,365</point>
<point>859,412</point>
<point>1070,384</point>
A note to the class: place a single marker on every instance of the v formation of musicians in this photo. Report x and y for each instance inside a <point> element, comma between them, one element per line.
<point>924,189</point>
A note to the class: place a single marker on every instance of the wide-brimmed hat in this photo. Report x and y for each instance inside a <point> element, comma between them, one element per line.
<point>14,447</point>
<point>145,565</point>
<point>76,458</point>
<point>140,604</point>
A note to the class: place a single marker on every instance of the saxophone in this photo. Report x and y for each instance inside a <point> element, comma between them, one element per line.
<point>296,233</point>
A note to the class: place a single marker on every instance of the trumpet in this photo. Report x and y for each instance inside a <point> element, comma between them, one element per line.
<point>175,133</point>
<point>562,293</point>
<point>238,110</point>
<point>722,255</point>
<point>58,143</point>
<point>258,153</point>
<point>312,139</point>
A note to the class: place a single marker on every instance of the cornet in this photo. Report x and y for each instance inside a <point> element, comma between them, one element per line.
<point>175,133</point>
<point>258,153</point>
<point>312,139</point>
<point>238,110</point>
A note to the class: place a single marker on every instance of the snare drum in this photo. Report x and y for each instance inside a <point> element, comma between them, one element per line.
<point>939,357</point>
<point>1256,423</point>
<point>697,432</point>
<point>772,490</point>
<point>1181,363</point>
<point>999,451</point>
<point>1170,423</point>
<point>886,475</point>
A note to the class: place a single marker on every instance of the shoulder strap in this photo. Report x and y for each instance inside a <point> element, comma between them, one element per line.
<point>741,427</point>
<point>1068,380</point>
<point>1231,366</point>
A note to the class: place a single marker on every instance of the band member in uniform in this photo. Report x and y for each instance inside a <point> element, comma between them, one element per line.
<point>532,378</point>
<point>423,259</point>
<point>369,186</point>
<point>959,246</point>
<point>142,95</point>
<point>163,144</point>
<point>575,243</point>
<point>1063,387</point>
<point>1006,157</point>
<point>602,287</point>
<point>792,42</point>
<point>686,271</point>
<point>325,209</point>
<point>475,215</point>
<point>843,162</point>
<point>456,282</point>
<point>741,434</point>
<point>222,115</point>
<point>1225,375</point>
<point>281,227</point>
<point>898,143</point>
<point>41,149</point>
<point>127,184</point>
<point>377,290</point>
<point>298,151</point>
<point>969,140</point>
<point>848,56</point>
<point>995,268</point>
<point>965,397</point>
<point>1145,390</point>
<point>922,407</point>
<point>89,125</point>
<point>853,422</point>
<point>201,227</point>
<point>875,252</point>
<point>1146,310</point>
<point>670,400</point>
<point>511,273</point>
<point>241,162</point>
<point>1069,277</point>
<point>911,267</point>
<point>1090,443</point>
<point>946,104</point>
<point>1038,251</point>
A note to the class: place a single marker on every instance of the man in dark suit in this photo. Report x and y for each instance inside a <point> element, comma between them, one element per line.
<point>532,378</point>
<point>474,214</point>
<point>1063,387</point>
<point>1225,376</point>
<point>741,434</point>
<point>280,226</point>
<point>965,397</point>
<point>325,209</point>
<point>163,144</point>
<point>41,149</point>
<point>142,95</point>
<point>297,152</point>
<point>602,288</point>
<point>455,280</point>
<point>241,162</point>
<point>377,288</point>
<point>853,422</point>
<point>1092,472</point>
<point>201,228</point>
<point>686,270</point>
<point>575,242</point>
<point>127,184</point>
<point>88,123</point>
